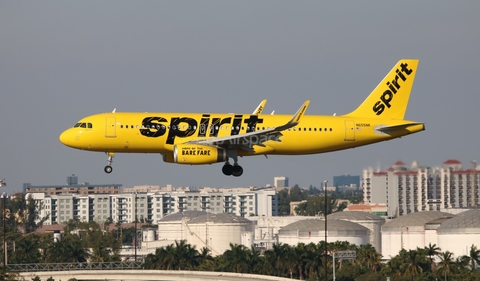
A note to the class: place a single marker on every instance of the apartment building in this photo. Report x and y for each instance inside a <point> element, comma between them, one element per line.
<point>412,189</point>
<point>73,186</point>
<point>125,207</point>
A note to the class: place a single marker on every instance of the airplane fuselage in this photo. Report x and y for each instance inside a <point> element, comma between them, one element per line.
<point>128,132</point>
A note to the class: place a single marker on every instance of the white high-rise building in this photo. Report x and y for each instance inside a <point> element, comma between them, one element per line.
<point>280,182</point>
<point>407,190</point>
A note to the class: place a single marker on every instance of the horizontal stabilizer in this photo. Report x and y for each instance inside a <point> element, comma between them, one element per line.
<point>389,129</point>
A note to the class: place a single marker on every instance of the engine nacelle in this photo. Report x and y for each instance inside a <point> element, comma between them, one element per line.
<point>194,154</point>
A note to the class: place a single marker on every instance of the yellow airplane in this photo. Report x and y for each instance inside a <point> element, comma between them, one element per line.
<point>196,138</point>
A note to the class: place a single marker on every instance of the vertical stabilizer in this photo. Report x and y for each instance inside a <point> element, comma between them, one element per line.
<point>390,98</point>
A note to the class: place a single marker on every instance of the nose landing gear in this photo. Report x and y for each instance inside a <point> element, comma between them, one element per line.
<point>108,169</point>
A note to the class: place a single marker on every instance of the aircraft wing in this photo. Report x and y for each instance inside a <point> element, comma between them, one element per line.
<point>248,140</point>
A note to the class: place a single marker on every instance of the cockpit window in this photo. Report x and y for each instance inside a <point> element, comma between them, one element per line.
<point>83,125</point>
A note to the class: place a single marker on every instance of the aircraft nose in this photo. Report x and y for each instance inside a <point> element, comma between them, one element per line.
<point>67,138</point>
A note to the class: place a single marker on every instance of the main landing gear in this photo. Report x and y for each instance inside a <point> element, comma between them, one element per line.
<point>229,170</point>
<point>108,169</point>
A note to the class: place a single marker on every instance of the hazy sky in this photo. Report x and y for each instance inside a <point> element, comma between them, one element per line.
<point>63,60</point>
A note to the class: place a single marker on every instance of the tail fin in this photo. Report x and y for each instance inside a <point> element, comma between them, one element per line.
<point>390,98</point>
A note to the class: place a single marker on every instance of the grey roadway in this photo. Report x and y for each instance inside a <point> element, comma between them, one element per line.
<point>126,275</point>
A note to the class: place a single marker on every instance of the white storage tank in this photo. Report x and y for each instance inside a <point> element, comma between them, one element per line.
<point>458,234</point>
<point>313,231</point>
<point>217,231</point>
<point>148,235</point>
<point>202,229</point>
<point>408,232</point>
<point>373,222</point>
<point>172,227</point>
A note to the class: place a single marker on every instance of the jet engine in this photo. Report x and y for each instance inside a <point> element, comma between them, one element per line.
<point>193,154</point>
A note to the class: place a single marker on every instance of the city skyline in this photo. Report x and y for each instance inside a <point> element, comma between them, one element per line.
<point>64,61</point>
<point>79,180</point>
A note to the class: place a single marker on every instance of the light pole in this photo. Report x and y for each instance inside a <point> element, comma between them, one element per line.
<point>325,214</point>
<point>135,237</point>
<point>4,196</point>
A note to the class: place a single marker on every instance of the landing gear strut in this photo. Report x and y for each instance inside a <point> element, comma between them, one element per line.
<point>108,169</point>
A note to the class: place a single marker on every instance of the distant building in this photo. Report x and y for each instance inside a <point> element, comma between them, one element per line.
<point>346,181</point>
<point>294,205</point>
<point>376,209</point>
<point>73,186</point>
<point>412,189</point>
<point>153,206</point>
<point>280,182</point>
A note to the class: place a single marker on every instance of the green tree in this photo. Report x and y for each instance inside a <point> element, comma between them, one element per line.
<point>205,260</point>
<point>445,265</point>
<point>287,195</point>
<point>314,259</point>
<point>237,258</point>
<point>315,205</point>
<point>70,248</point>
<point>26,249</point>
<point>24,212</point>
<point>186,255</point>
<point>104,247</point>
<point>473,257</point>
<point>413,263</point>
<point>432,251</point>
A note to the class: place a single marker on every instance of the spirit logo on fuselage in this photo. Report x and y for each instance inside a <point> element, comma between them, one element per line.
<point>183,127</point>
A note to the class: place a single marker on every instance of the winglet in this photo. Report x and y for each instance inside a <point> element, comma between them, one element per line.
<point>296,118</point>
<point>260,108</point>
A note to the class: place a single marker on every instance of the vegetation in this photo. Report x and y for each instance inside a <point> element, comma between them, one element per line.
<point>89,242</point>
<point>307,261</point>
<point>314,200</point>
<point>303,261</point>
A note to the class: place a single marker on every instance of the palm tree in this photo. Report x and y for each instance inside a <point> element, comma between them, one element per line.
<point>69,249</point>
<point>290,260</point>
<point>368,256</point>
<point>27,249</point>
<point>473,257</point>
<point>413,263</point>
<point>445,266</point>
<point>237,258</point>
<point>205,259</point>
<point>186,255</point>
<point>314,260</point>
<point>432,251</point>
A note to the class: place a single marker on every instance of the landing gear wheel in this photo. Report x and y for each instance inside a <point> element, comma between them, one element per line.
<point>227,169</point>
<point>108,169</point>
<point>237,171</point>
